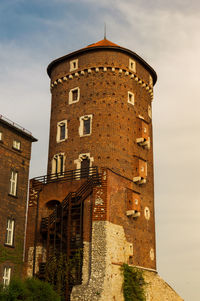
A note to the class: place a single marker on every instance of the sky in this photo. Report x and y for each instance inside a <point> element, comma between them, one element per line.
<point>166,35</point>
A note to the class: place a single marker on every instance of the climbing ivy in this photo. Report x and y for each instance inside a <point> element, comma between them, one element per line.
<point>13,255</point>
<point>59,270</point>
<point>134,284</point>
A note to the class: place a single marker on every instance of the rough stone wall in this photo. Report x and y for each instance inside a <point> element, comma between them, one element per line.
<point>109,247</point>
<point>103,282</point>
<point>13,207</point>
<point>157,289</point>
<point>40,257</point>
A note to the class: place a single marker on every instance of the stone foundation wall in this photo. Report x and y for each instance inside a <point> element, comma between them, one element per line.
<point>158,290</point>
<point>102,276</point>
<point>109,248</point>
<point>40,257</point>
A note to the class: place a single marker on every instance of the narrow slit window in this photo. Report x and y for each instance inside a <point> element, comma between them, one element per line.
<point>61,131</point>
<point>75,95</point>
<point>132,65</point>
<point>73,65</point>
<point>131,98</point>
<point>86,126</point>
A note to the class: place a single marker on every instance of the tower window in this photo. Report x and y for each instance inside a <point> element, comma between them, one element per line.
<point>74,95</point>
<point>61,131</point>
<point>85,128</point>
<point>83,163</point>
<point>132,65</point>
<point>131,98</point>
<point>58,162</point>
<point>150,81</point>
<point>73,65</point>
<point>16,144</point>
<point>149,111</point>
<point>10,232</point>
<point>13,183</point>
<point>6,276</point>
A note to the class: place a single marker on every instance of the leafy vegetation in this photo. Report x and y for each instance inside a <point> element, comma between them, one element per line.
<point>134,284</point>
<point>30,289</point>
<point>59,271</point>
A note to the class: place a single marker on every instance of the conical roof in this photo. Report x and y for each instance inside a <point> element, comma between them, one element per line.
<point>103,43</point>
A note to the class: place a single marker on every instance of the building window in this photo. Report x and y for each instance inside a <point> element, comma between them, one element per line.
<point>6,276</point>
<point>10,232</point>
<point>16,144</point>
<point>83,163</point>
<point>73,65</point>
<point>131,98</point>
<point>85,128</point>
<point>61,131</point>
<point>13,182</point>
<point>149,111</point>
<point>132,65</point>
<point>58,164</point>
<point>0,136</point>
<point>74,95</point>
<point>150,81</point>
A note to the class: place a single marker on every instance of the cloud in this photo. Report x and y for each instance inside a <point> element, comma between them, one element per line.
<point>166,35</point>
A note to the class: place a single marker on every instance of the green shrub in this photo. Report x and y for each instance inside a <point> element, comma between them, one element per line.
<point>134,283</point>
<point>28,290</point>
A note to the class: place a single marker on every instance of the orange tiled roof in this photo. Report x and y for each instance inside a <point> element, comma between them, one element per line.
<point>103,42</point>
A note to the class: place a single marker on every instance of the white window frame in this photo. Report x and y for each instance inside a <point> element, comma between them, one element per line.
<point>132,65</point>
<point>16,144</point>
<point>81,157</point>
<point>150,81</point>
<point>10,232</point>
<point>71,65</point>
<point>6,276</point>
<point>150,111</point>
<point>81,127</point>
<point>132,101</point>
<point>56,164</point>
<point>13,182</point>
<point>71,101</point>
<point>59,125</point>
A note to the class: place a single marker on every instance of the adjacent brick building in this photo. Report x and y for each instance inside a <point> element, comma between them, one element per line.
<point>98,194</point>
<point>15,154</point>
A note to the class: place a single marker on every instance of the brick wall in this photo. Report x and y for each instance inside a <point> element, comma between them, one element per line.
<point>13,206</point>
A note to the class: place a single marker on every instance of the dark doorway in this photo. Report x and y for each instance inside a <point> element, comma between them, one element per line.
<point>85,165</point>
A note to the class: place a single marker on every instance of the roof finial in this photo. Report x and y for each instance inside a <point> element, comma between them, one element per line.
<point>104,31</point>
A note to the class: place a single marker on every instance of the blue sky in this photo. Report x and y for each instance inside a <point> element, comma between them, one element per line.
<point>166,35</point>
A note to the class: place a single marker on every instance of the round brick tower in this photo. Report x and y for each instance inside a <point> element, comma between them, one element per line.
<point>101,111</point>
<point>101,116</point>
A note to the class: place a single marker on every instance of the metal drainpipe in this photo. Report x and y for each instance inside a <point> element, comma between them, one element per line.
<point>36,234</point>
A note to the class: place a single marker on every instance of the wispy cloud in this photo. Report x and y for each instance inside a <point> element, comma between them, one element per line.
<point>166,34</point>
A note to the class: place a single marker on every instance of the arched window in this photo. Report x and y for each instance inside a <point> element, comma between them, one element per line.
<point>58,164</point>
